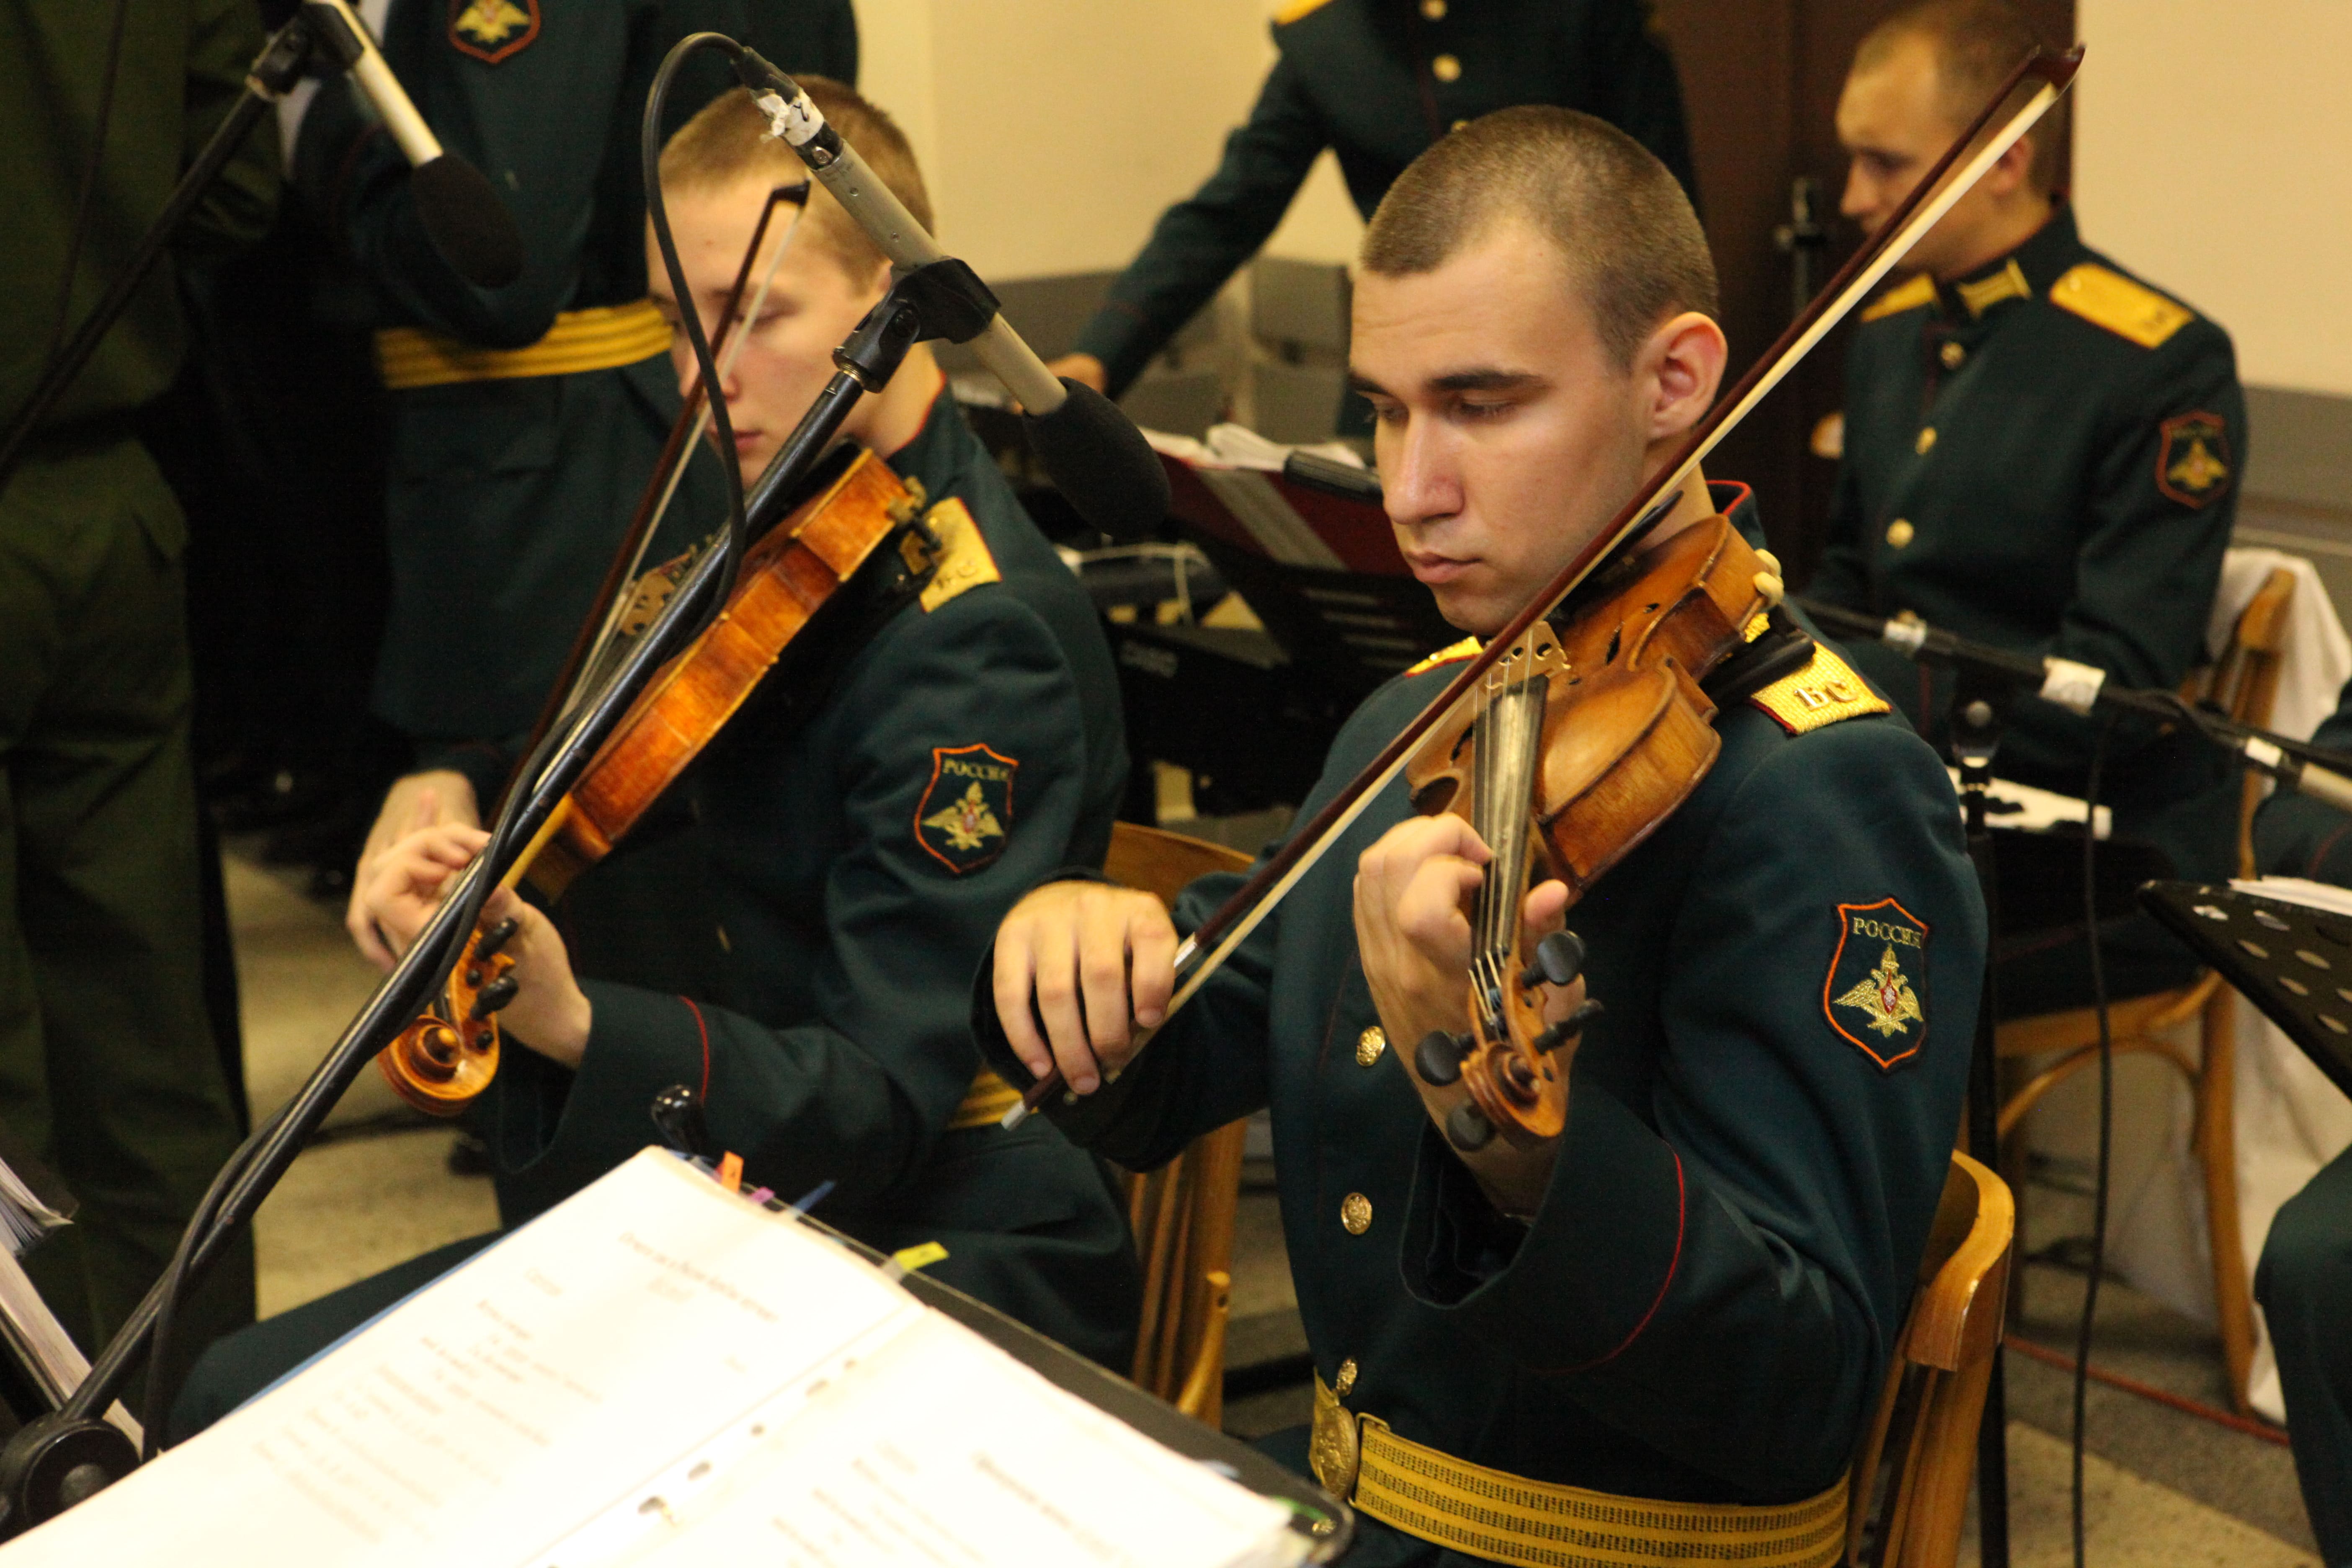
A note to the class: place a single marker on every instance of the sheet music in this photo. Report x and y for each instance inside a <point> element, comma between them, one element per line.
<point>658,1371</point>
<point>2297,891</point>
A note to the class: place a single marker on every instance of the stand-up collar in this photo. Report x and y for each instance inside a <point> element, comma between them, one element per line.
<point>2024,272</point>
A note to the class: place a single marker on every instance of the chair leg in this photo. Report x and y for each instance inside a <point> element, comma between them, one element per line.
<point>2217,1149</point>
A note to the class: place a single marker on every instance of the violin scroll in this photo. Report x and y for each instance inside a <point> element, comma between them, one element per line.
<point>444,1060</point>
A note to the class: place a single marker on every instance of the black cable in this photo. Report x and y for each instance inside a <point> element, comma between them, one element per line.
<point>80,230</point>
<point>2106,1116</point>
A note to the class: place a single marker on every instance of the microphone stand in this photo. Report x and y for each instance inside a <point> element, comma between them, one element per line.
<point>60,1459</point>
<point>309,45</point>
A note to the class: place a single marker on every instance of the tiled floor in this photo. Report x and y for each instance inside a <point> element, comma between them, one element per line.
<point>2165,1490</point>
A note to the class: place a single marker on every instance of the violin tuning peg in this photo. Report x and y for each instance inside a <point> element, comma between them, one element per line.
<point>495,995</point>
<point>1468,1127</point>
<point>1438,1057</point>
<point>1560,958</point>
<point>1567,1028</point>
<point>497,937</point>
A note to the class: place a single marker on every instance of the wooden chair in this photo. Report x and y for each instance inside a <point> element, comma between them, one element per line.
<point>2243,684</point>
<point>1924,1427</point>
<point>1183,1212</point>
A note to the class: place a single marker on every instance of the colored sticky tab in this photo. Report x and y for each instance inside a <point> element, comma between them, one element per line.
<point>910,1258</point>
<point>730,1172</point>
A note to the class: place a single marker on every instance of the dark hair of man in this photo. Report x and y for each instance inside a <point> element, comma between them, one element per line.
<point>1621,222</point>
<point>728,139</point>
<point>1978,42</point>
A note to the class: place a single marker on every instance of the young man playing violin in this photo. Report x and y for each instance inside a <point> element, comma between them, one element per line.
<point>866,823</point>
<point>1690,1294</point>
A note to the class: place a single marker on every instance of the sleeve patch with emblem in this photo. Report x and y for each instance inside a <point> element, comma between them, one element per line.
<point>2192,461</point>
<point>1876,994</point>
<point>966,814</point>
<point>493,30</point>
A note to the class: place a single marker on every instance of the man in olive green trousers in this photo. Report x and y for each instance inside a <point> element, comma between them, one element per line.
<point>107,1063</point>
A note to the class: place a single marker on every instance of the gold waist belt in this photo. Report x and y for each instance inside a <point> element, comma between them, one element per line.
<point>1505,1518</point>
<point>986,1102</point>
<point>601,338</point>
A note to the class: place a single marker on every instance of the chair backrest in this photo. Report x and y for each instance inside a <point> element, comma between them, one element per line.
<point>2243,683</point>
<point>1924,1428</point>
<point>1183,1212</point>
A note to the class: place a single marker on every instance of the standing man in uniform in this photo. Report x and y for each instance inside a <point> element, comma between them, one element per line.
<point>525,420</point>
<point>108,1068</point>
<point>1691,1294</point>
<point>871,812</point>
<point>2305,1278</point>
<point>1377,81</point>
<point>2040,452</point>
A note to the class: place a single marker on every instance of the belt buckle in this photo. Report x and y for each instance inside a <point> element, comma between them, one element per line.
<point>1334,1448</point>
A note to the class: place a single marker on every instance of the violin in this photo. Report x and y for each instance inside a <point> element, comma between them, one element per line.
<point>1585,735</point>
<point>445,1058</point>
<point>1593,730</point>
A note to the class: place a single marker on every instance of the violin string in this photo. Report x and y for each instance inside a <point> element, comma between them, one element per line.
<point>738,332</point>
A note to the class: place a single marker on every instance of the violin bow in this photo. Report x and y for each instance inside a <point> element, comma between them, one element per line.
<point>1206,950</point>
<point>598,627</point>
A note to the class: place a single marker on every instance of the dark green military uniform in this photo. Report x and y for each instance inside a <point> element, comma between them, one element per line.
<point>107,1065</point>
<point>507,495</point>
<point>862,854</point>
<point>1704,1304</point>
<point>2305,1278</point>
<point>2043,455</point>
<point>1377,81</point>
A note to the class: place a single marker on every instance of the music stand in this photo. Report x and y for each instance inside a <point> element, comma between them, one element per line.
<point>2293,960</point>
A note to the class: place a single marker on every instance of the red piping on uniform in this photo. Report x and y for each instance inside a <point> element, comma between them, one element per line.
<point>703,1030</point>
<point>1682,1223</point>
<point>2320,853</point>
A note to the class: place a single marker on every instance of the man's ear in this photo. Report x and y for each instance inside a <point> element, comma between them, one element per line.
<point>1678,371</point>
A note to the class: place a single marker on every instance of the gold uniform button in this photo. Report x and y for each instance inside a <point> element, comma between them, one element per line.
<point>1459,124</point>
<point>1900,532</point>
<point>1951,354</point>
<point>1926,441</point>
<point>1347,1378</point>
<point>1356,1214</point>
<point>1446,68</point>
<point>1370,1044</point>
<point>1434,9</point>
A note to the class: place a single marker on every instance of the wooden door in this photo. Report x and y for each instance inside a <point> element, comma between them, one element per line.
<point>1761,81</point>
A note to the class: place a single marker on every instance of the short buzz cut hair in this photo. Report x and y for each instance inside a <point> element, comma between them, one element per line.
<point>1976,43</point>
<point>1619,220</point>
<point>728,139</point>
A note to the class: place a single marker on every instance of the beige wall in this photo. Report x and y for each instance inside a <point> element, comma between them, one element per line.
<point>1054,131</point>
<point>2211,157</point>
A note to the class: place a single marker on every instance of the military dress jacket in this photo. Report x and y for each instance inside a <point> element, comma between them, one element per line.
<point>1759,1127</point>
<point>1378,81</point>
<point>506,495</point>
<point>861,850</point>
<point>2295,835</point>
<point>2043,455</point>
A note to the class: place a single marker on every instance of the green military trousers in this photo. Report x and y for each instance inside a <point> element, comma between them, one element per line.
<point>107,1063</point>
<point>2305,1284</point>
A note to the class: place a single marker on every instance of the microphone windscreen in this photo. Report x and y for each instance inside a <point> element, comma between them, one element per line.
<point>467,222</point>
<point>1101,464</point>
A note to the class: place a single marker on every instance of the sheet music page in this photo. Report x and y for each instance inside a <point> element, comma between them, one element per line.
<point>509,1403</point>
<point>940,1448</point>
<point>2299,890</point>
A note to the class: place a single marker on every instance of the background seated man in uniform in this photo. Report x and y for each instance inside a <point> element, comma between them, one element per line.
<point>853,909</point>
<point>2040,453</point>
<point>1690,1294</point>
<point>2304,1279</point>
<point>1377,81</point>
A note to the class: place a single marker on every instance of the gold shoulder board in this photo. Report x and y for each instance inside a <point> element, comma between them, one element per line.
<point>1822,693</point>
<point>1466,648</point>
<point>965,562</point>
<point>2106,298</point>
<point>1296,10</point>
<point>1920,290</point>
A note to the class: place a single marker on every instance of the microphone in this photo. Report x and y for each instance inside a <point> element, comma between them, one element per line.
<point>2082,686</point>
<point>462,215</point>
<point>1092,451</point>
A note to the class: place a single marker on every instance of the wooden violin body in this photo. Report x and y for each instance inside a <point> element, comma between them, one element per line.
<point>448,1056</point>
<point>1587,737</point>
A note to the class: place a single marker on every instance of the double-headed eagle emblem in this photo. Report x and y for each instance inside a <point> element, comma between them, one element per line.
<point>966,821</point>
<point>1886,997</point>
